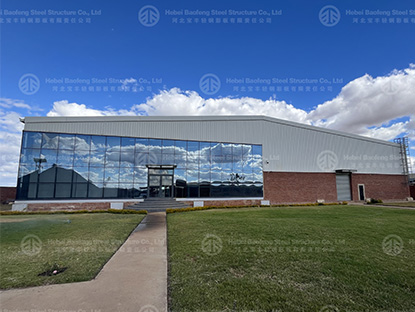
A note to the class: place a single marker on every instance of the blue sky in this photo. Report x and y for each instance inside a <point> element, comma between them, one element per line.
<point>348,62</point>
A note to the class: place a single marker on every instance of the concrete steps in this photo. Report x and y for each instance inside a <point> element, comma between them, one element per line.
<point>158,204</point>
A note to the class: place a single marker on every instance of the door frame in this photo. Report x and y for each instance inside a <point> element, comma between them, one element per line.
<point>358,191</point>
<point>161,175</point>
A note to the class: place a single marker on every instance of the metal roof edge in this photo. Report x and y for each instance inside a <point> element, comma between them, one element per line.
<point>59,119</point>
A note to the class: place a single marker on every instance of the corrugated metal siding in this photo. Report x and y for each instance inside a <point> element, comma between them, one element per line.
<point>343,187</point>
<point>286,147</point>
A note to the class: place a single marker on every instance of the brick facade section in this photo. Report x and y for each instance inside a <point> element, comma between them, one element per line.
<point>7,194</point>
<point>67,206</point>
<point>381,186</point>
<point>299,187</point>
<point>412,191</point>
<point>302,187</point>
<point>228,203</point>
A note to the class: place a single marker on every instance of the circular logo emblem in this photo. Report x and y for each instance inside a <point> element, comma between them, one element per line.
<point>392,245</point>
<point>329,308</point>
<point>148,308</point>
<point>327,160</point>
<point>29,84</point>
<point>390,87</point>
<point>212,244</point>
<point>209,84</point>
<point>329,15</point>
<point>149,16</point>
<point>31,245</point>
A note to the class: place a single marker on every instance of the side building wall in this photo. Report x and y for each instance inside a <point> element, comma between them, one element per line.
<point>297,187</point>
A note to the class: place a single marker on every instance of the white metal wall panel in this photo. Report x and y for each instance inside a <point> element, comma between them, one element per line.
<point>287,146</point>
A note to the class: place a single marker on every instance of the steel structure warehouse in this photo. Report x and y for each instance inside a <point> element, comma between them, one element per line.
<point>298,163</point>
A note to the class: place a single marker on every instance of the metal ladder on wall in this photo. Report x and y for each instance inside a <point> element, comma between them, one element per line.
<point>404,151</point>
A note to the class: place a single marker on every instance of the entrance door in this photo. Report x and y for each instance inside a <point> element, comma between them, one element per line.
<point>160,181</point>
<point>343,186</point>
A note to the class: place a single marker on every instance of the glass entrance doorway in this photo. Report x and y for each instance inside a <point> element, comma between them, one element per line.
<point>160,181</point>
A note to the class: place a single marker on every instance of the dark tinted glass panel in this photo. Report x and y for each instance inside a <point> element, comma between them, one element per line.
<point>28,173</point>
<point>79,190</point>
<point>82,142</point>
<point>167,159</point>
<point>127,152</point>
<point>97,143</point>
<point>111,190</point>
<point>96,159</point>
<point>65,158</point>
<point>125,191</point>
<point>96,175</point>
<point>50,140</point>
<point>49,156</point>
<point>32,140</point>
<point>63,190</point>
<point>64,175</point>
<point>95,190</point>
<point>192,146</point>
<point>154,143</point>
<point>81,158</point>
<point>30,157</point>
<point>67,141</point>
<point>193,190</point>
<point>112,159</point>
<point>168,146</point>
<point>112,175</point>
<point>45,190</point>
<point>140,175</point>
<point>126,175</point>
<point>48,175</point>
<point>154,158</point>
<point>113,143</point>
<point>141,159</point>
<point>141,145</point>
<point>80,174</point>
<point>32,191</point>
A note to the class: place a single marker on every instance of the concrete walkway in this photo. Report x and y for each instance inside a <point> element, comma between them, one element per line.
<point>134,279</point>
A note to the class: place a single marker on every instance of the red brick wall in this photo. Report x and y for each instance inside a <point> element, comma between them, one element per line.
<point>221,203</point>
<point>380,186</point>
<point>412,190</point>
<point>7,194</point>
<point>299,187</point>
<point>67,206</point>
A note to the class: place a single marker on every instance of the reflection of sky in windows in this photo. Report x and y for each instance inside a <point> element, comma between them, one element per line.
<point>110,160</point>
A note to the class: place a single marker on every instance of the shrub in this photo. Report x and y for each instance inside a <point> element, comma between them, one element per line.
<point>375,201</point>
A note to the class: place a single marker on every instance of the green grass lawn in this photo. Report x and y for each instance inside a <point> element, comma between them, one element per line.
<point>32,244</point>
<point>292,259</point>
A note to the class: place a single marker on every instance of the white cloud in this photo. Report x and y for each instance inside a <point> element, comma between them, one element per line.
<point>12,103</point>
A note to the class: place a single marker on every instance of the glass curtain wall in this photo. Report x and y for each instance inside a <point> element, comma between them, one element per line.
<point>65,166</point>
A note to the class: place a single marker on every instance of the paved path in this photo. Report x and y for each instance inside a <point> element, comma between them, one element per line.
<point>134,279</point>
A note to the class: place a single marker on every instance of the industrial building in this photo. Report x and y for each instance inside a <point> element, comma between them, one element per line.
<point>203,160</point>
